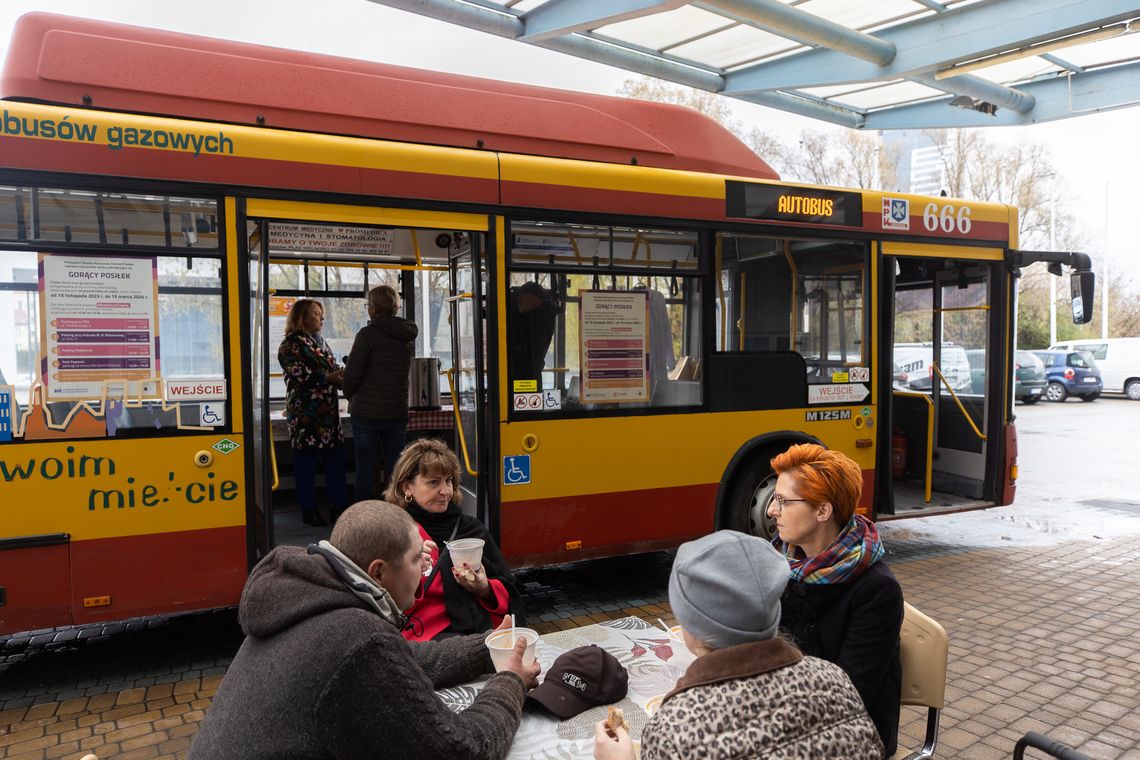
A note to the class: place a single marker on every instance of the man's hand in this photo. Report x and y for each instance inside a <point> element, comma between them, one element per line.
<point>528,673</point>
<point>609,747</point>
<point>477,584</point>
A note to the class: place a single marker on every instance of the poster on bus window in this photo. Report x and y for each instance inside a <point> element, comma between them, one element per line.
<point>98,326</point>
<point>614,346</point>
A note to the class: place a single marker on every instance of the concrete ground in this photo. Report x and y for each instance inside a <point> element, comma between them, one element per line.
<point>1038,600</point>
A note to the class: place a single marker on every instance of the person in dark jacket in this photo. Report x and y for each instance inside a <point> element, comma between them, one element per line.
<point>426,482</point>
<point>312,409</point>
<point>324,672</point>
<point>843,604</point>
<point>376,385</point>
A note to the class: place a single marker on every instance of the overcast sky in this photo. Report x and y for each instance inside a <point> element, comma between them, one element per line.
<point>1096,153</point>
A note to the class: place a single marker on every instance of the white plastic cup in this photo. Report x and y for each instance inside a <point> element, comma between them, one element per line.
<point>653,704</point>
<point>499,644</point>
<point>469,550</point>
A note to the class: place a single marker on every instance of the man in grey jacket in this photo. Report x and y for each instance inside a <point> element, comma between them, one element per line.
<point>324,672</point>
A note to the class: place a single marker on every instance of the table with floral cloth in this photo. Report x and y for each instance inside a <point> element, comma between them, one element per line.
<point>652,659</point>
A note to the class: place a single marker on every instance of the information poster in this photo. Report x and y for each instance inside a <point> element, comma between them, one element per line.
<point>614,346</point>
<point>100,326</point>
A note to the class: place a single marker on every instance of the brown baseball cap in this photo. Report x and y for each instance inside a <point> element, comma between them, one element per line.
<point>582,678</point>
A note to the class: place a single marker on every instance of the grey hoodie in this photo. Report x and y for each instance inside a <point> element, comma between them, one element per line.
<point>323,674</point>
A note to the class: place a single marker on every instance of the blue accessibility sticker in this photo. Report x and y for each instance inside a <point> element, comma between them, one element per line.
<point>516,470</point>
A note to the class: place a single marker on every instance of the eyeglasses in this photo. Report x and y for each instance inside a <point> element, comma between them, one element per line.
<point>781,502</point>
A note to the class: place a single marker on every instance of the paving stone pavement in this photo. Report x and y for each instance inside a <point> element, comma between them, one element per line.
<point>1041,623</point>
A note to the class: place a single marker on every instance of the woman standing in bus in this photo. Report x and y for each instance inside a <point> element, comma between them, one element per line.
<point>312,408</point>
<point>376,386</point>
<point>451,601</point>
<point>843,604</point>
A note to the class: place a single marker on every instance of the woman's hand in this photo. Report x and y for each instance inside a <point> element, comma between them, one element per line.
<point>425,556</point>
<point>479,586</point>
<point>607,747</point>
<point>335,378</point>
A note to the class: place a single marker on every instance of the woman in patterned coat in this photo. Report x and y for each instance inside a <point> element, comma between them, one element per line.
<point>749,693</point>
<point>312,408</point>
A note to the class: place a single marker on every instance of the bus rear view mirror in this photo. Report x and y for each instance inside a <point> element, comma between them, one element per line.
<point>1081,285</point>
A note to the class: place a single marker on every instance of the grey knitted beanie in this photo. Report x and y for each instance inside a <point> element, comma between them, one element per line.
<point>725,588</point>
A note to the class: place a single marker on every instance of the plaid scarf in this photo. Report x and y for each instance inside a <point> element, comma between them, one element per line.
<point>856,548</point>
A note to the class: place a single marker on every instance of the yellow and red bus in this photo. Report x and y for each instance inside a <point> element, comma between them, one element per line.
<point>633,312</point>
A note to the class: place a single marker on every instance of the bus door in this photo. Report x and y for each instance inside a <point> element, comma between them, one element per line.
<point>945,356</point>
<point>467,375</point>
<point>336,254</point>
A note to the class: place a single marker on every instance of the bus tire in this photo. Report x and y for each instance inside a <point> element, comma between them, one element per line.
<point>751,490</point>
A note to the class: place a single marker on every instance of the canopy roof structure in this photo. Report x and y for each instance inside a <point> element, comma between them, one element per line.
<point>865,64</point>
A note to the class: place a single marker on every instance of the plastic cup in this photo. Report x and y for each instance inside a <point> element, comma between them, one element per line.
<point>499,644</point>
<point>676,635</point>
<point>653,704</point>
<point>469,550</point>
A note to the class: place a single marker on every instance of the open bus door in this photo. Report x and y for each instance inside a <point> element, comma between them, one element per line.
<point>467,375</point>
<point>945,343</point>
<point>263,464</point>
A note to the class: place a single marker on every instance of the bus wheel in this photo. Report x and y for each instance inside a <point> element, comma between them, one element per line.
<point>751,492</point>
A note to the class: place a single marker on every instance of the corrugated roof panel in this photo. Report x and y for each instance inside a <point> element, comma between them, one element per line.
<point>863,15</point>
<point>1016,71</point>
<point>662,30</point>
<point>732,46</point>
<point>888,95</point>
<point>1120,48</point>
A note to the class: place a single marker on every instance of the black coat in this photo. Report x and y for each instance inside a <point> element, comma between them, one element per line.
<point>376,376</point>
<point>855,625</point>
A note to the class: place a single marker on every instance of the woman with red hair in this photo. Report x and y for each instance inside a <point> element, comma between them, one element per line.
<point>842,604</point>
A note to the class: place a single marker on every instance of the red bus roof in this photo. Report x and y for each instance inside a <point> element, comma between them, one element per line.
<point>71,61</point>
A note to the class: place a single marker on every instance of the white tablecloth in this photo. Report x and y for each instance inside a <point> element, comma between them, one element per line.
<point>654,663</point>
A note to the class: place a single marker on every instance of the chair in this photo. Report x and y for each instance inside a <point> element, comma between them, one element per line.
<point>924,649</point>
<point>1047,745</point>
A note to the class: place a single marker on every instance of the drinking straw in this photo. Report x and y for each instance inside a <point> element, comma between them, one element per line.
<point>512,631</point>
<point>662,622</point>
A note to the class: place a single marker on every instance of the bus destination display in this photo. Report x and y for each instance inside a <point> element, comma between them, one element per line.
<point>793,204</point>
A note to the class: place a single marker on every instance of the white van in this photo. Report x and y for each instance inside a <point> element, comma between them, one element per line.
<point>1117,358</point>
<point>912,366</point>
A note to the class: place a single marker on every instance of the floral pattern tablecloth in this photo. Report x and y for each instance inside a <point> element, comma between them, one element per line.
<point>653,660</point>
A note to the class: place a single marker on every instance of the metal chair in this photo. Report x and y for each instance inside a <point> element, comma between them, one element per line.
<point>924,649</point>
<point>1045,744</point>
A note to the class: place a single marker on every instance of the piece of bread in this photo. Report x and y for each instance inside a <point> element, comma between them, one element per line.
<point>467,574</point>
<point>616,718</point>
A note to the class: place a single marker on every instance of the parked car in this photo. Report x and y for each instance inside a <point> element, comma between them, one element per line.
<point>914,371</point>
<point>1070,373</point>
<point>1117,358</point>
<point>1028,377</point>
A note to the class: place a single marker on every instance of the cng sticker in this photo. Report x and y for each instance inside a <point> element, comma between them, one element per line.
<point>516,470</point>
<point>226,445</point>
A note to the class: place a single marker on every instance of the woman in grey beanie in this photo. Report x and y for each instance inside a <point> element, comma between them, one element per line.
<point>748,693</point>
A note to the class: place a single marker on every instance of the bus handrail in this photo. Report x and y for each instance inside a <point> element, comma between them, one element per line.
<point>273,464</point>
<point>958,401</point>
<point>929,435</point>
<point>458,425</point>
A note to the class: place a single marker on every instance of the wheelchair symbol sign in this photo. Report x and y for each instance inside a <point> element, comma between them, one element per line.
<point>516,470</point>
<point>212,414</point>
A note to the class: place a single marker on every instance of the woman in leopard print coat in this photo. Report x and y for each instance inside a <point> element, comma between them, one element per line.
<point>749,693</point>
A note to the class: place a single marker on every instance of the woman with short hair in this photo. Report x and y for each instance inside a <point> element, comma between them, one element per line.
<point>451,601</point>
<point>312,409</point>
<point>376,385</point>
<point>843,603</point>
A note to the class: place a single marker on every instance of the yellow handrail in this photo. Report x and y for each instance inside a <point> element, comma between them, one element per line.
<point>273,460</point>
<point>458,424</point>
<point>958,401</point>
<point>740,324</point>
<point>929,435</point>
<point>720,292</point>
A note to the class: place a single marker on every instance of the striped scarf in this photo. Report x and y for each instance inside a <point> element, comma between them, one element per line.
<point>856,548</point>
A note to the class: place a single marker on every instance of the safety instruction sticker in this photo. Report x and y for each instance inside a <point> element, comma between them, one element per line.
<point>6,415</point>
<point>516,470</point>
<point>546,401</point>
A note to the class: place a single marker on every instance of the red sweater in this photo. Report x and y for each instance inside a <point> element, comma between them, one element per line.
<point>429,608</point>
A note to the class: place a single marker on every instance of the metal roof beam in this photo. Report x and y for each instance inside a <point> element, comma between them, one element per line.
<point>936,41</point>
<point>1057,98</point>
<point>787,21</point>
<point>807,106</point>
<point>982,89</point>
<point>555,18</point>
